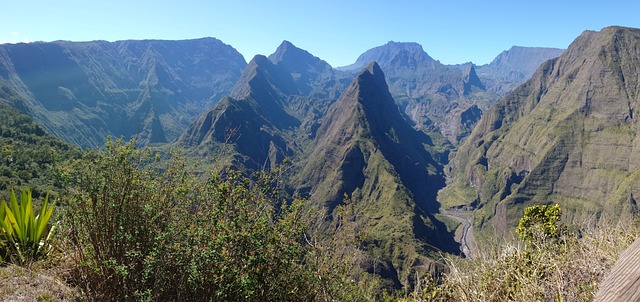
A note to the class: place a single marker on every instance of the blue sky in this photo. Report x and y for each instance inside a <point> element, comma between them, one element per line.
<point>452,31</point>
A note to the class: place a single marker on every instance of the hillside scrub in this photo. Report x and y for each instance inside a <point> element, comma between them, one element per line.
<point>145,230</point>
<point>567,268</point>
<point>28,153</point>
<point>137,228</point>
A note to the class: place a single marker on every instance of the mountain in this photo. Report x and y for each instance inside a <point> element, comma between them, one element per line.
<point>305,69</point>
<point>401,53</point>
<point>365,146</point>
<point>434,95</point>
<point>514,66</point>
<point>427,91</point>
<point>272,112</point>
<point>342,136</point>
<point>150,89</point>
<point>566,136</point>
<point>366,114</point>
<point>411,72</point>
<point>251,120</point>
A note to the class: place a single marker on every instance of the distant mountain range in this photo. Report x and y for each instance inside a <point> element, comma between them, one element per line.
<point>450,97</point>
<point>84,91</point>
<point>152,90</point>
<point>514,66</point>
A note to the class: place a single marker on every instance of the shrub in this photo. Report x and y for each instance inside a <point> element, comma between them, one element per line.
<point>540,223</point>
<point>24,237</point>
<point>143,230</point>
<point>568,268</point>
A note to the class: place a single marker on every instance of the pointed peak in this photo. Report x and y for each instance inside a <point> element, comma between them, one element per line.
<point>287,49</point>
<point>471,80</point>
<point>373,68</point>
<point>470,69</point>
<point>373,72</point>
<point>284,47</point>
<point>370,89</point>
<point>258,60</point>
<point>286,44</point>
<point>259,66</point>
<point>289,52</point>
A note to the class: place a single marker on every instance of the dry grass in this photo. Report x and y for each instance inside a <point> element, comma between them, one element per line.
<point>41,281</point>
<point>567,270</point>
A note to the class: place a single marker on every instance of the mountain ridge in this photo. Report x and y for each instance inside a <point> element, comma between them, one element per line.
<point>566,135</point>
<point>84,91</point>
<point>435,95</point>
<point>283,96</point>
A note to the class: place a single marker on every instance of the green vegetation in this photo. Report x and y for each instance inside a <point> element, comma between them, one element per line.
<point>145,230</point>
<point>140,229</point>
<point>28,154</point>
<point>539,223</point>
<point>545,141</point>
<point>569,268</point>
<point>24,237</point>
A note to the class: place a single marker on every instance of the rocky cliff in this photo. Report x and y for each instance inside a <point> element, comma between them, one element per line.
<point>568,136</point>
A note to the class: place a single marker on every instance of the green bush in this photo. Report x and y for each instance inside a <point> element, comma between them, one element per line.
<point>142,230</point>
<point>540,224</point>
<point>24,237</point>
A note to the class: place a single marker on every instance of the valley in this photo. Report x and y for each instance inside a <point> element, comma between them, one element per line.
<point>465,230</point>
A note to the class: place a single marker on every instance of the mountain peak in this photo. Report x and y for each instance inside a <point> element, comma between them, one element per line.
<point>243,86</point>
<point>518,63</point>
<point>412,47</point>
<point>471,80</point>
<point>302,68</point>
<point>289,54</point>
<point>374,71</point>
<point>373,68</point>
<point>369,89</point>
<point>285,48</point>
<point>392,53</point>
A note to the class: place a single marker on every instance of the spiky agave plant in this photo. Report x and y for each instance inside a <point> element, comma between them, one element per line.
<point>23,236</point>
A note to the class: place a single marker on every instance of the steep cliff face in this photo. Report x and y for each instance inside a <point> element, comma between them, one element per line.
<point>568,135</point>
<point>84,91</point>
<point>514,66</point>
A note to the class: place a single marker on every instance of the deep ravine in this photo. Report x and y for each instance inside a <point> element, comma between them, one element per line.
<point>466,238</point>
